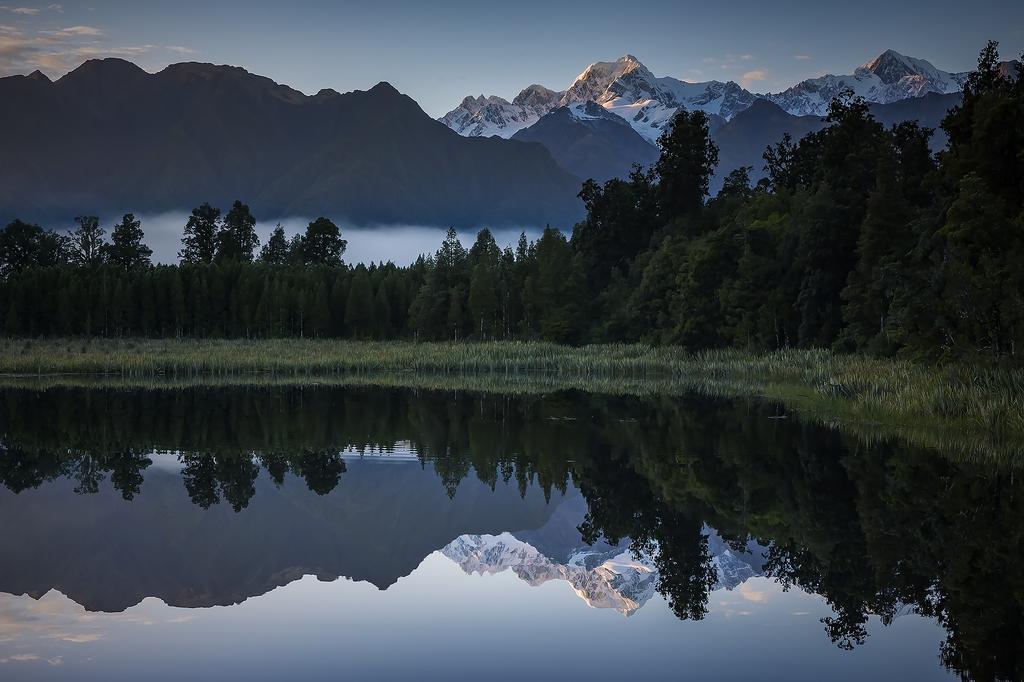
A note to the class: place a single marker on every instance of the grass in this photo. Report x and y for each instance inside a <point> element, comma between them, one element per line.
<point>973,410</point>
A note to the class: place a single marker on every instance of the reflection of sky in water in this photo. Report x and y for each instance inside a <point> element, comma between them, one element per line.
<point>439,623</point>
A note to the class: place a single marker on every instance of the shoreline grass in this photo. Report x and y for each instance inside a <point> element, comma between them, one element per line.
<point>974,410</point>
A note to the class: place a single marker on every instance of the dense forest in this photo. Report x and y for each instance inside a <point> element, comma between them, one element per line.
<point>859,239</point>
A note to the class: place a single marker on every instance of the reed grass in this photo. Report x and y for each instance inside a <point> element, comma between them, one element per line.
<point>976,410</point>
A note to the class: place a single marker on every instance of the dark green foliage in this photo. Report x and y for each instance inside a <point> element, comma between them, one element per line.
<point>236,239</point>
<point>322,244</point>
<point>29,246</point>
<point>87,245</point>
<point>688,158</point>
<point>199,243</point>
<point>277,250</point>
<point>126,249</point>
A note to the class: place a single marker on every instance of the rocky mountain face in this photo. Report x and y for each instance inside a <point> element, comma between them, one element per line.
<point>590,142</point>
<point>109,138</point>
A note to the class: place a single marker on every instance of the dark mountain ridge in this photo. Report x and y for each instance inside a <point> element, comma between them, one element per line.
<point>110,137</point>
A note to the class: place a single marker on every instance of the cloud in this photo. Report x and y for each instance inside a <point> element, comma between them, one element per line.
<point>752,594</point>
<point>802,57</point>
<point>751,76</point>
<point>77,31</point>
<point>20,658</point>
<point>31,11</point>
<point>57,51</point>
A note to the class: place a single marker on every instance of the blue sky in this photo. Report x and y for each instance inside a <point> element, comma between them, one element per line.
<point>438,52</point>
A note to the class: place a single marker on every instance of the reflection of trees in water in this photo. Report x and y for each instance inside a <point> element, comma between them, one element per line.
<point>873,529</point>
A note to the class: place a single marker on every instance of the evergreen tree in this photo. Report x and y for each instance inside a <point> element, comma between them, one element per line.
<point>87,243</point>
<point>322,244</point>
<point>126,249</point>
<point>688,158</point>
<point>236,239</point>
<point>23,245</point>
<point>483,299</point>
<point>276,251</point>
<point>199,243</point>
<point>359,311</point>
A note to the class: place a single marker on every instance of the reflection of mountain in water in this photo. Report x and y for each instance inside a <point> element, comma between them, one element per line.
<point>377,525</point>
<point>604,576</point>
<point>618,582</point>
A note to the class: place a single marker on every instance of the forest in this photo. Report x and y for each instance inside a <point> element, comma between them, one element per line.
<point>860,239</point>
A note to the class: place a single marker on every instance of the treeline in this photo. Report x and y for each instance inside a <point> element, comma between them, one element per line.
<point>858,238</point>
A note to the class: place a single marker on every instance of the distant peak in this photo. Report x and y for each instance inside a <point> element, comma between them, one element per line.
<point>891,66</point>
<point>109,67</point>
<point>534,95</point>
<point>384,88</point>
<point>38,75</point>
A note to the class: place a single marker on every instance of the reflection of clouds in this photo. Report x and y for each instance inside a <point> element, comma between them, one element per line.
<point>750,593</point>
<point>77,638</point>
<point>56,618</point>
<point>28,658</point>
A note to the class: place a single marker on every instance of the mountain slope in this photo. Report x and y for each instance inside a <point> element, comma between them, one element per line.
<point>590,142</point>
<point>109,137</point>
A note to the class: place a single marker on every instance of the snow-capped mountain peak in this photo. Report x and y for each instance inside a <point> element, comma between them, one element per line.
<point>536,96</point>
<point>887,78</point>
<point>630,90</point>
<point>624,87</point>
<point>891,66</point>
<point>614,580</point>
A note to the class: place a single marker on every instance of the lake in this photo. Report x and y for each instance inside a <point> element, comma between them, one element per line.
<point>325,532</point>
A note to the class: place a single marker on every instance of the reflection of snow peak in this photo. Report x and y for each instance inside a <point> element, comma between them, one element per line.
<point>614,580</point>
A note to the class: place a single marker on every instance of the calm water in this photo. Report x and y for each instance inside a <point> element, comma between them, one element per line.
<point>355,533</point>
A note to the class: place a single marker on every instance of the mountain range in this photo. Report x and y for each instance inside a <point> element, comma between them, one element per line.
<point>628,88</point>
<point>109,137</point>
<point>583,140</point>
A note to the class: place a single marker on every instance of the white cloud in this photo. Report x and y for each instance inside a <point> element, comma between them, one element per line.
<point>750,77</point>
<point>802,57</point>
<point>79,31</point>
<point>57,51</point>
<point>28,11</point>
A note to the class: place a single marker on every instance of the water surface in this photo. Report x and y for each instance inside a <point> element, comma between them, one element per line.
<point>339,532</point>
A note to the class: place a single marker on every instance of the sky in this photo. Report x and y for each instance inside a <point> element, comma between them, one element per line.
<point>439,52</point>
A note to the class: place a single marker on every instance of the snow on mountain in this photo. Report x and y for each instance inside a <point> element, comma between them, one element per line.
<point>617,582</point>
<point>486,116</point>
<point>609,578</point>
<point>625,87</point>
<point>628,88</point>
<point>890,77</point>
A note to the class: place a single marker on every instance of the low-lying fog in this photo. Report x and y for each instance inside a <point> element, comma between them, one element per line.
<point>400,244</point>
